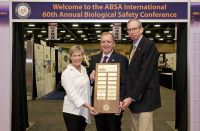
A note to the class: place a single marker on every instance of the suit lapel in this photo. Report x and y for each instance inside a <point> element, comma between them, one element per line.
<point>98,60</point>
<point>112,58</point>
<point>136,52</point>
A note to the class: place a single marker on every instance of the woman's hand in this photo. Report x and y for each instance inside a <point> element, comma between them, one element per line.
<point>92,111</point>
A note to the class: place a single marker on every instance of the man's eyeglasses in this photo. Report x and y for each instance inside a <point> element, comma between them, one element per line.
<point>133,29</point>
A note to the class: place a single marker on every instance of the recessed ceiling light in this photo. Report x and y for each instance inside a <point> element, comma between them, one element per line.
<point>156,25</point>
<point>29,31</point>
<point>126,35</point>
<point>98,31</point>
<point>62,31</point>
<point>79,31</point>
<point>31,25</point>
<point>111,31</point>
<point>157,35</point>
<point>161,39</point>
<point>99,39</point>
<point>39,35</point>
<point>75,25</point>
<point>58,39</point>
<point>47,39</point>
<point>111,25</point>
<point>98,35</point>
<point>166,31</point>
<point>82,35</point>
<point>24,35</point>
<point>123,39</point>
<point>72,39</point>
<point>85,39</point>
<point>68,35</point>
<point>169,36</point>
<point>151,39</point>
<point>148,31</point>
<point>43,31</point>
<point>97,25</point>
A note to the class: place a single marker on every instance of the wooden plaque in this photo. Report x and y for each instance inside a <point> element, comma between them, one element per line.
<point>107,88</point>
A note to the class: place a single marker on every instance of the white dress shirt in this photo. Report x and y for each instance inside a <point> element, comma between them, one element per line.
<point>77,87</point>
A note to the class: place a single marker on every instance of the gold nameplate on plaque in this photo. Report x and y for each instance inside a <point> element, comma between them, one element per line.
<point>107,87</point>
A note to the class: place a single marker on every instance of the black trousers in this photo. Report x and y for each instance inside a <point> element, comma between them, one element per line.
<point>108,122</point>
<point>74,122</point>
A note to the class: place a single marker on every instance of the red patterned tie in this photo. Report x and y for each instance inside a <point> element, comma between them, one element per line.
<point>104,60</point>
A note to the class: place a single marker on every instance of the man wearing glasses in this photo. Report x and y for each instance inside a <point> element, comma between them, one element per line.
<point>143,90</point>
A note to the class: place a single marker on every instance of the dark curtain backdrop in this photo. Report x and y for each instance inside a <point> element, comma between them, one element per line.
<point>181,78</point>
<point>19,97</point>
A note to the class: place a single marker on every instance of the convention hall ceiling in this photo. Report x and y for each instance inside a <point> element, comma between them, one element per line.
<point>91,32</point>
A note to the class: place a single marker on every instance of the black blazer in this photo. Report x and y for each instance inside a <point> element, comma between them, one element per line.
<point>142,78</point>
<point>114,58</point>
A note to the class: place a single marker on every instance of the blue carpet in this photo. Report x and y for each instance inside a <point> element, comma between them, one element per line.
<point>55,95</point>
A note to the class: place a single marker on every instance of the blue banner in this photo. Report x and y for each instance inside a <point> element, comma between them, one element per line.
<point>99,10</point>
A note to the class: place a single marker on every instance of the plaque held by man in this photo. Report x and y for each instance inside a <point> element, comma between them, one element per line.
<point>107,88</point>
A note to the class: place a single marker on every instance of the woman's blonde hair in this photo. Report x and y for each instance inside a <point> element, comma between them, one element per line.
<point>76,48</point>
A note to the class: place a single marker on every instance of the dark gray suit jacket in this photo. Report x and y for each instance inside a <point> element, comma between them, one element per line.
<point>114,58</point>
<point>142,78</point>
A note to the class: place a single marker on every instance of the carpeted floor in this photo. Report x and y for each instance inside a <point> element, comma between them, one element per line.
<point>55,95</point>
<point>47,115</point>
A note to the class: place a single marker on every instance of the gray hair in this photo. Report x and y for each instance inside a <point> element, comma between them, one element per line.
<point>140,24</point>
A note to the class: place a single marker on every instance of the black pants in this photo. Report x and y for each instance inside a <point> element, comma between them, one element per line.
<point>74,122</point>
<point>108,122</point>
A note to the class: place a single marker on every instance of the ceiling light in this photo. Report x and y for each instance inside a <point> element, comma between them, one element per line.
<point>126,35</point>
<point>62,31</point>
<point>24,35</point>
<point>111,25</point>
<point>174,39</point>
<point>79,31</point>
<point>72,39</point>
<point>82,35</point>
<point>123,39</point>
<point>151,39</point>
<point>166,31</point>
<point>47,39</point>
<point>68,35</point>
<point>58,39</point>
<point>98,31</point>
<point>97,25</point>
<point>85,39</point>
<point>156,25</point>
<point>169,36</point>
<point>157,35</point>
<point>111,31</point>
<point>31,25</point>
<point>98,35</point>
<point>169,40</point>
<point>43,31</point>
<point>39,35</point>
<point>75,25</point>
<point>148,31</point>
<point>161,39</point>
<point>29,31</point>
<point>99,39</point>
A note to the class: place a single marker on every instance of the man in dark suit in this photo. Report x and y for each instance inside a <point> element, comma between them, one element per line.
<point>109,122</point>
<point>143,90</point>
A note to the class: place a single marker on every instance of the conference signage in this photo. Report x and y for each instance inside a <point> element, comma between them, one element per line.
<point>99,10</point>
